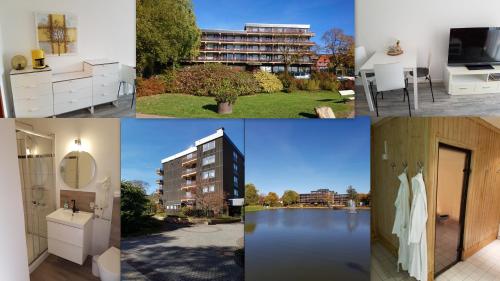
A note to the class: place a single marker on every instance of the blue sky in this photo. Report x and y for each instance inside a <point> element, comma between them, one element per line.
<point>322,15</point>
<point>305,155</point>
<point>144,142</point>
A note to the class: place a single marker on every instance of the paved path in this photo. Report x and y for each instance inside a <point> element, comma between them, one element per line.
<point>192,253</point>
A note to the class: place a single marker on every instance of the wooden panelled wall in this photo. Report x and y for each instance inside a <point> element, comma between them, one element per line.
<point>417,139</point>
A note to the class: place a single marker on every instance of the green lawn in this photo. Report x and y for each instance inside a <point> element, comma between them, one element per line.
<point>253,208</point>
<point>298,104</point>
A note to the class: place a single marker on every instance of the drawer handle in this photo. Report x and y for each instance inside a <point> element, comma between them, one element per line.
<point>463,88</point>
<point>486,87</point>
<point>73,101</point>
<point>71,91</point>
<point>104,94</point>
<point>32,98</point>
<point>31,86</point>
<point>33,109</point>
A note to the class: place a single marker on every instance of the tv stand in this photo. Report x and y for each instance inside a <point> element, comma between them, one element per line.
<point>461,81</point>
<point>479,66</point>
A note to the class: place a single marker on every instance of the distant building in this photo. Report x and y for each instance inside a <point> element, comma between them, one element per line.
<point>322,63</point>
<point>320,196</point>
<point>259,46</point>
<point>211,173</point>
<point>341,199</point>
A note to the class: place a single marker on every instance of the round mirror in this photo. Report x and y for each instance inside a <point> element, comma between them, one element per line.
<point>77,169</point>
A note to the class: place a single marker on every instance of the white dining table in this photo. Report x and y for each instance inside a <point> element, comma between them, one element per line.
<point>409,61</point>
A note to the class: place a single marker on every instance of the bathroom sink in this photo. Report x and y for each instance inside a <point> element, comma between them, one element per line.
<point>66,217</point>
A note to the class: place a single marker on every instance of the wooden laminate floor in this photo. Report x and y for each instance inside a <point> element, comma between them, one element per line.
<point>58,269</point>
<point>444,105</point>
<point>120,109</point>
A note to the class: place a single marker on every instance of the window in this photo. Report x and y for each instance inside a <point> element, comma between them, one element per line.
<point>236,193</point>
<point>209,146</point>
<point>208,174</point>
<point>208,160</point>
<point>235,167</point>
<point>210,188</point>
<point>235,178</point>
<point>235,156</point>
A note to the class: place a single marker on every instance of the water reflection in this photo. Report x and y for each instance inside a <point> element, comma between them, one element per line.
<point>307,244</point>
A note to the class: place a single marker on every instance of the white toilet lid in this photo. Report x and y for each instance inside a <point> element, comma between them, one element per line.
<point>110,260</point>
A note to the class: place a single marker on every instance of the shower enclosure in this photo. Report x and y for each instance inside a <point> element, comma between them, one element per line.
<point>36,165</point>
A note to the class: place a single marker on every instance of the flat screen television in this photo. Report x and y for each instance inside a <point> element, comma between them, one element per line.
<point>477,47</point>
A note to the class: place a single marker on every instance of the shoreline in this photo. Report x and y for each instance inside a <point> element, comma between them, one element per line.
<point>262,208</point>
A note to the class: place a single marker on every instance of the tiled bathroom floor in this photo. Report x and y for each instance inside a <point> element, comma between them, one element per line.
<point>482,266</point>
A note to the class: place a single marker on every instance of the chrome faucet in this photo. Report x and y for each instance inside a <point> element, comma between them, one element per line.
<point>75,209</point>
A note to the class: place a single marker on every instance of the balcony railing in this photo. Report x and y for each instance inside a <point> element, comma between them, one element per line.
<point>189,172</point>
<point>188,197</point>
<point>254,51</point>
<point>189,159</point>
<point>159,172</point>
<point>266,41</point>
<point>188,184</point>
<point>159,182</point>
<point>246,60</point>
<point>160,191</point>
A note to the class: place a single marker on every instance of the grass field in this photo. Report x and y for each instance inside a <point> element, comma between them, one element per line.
<point>298,104</point>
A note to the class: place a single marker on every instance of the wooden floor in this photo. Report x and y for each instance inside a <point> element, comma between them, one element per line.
<point>444,105</point>
<point>58,269</point>
<point>120,109</point>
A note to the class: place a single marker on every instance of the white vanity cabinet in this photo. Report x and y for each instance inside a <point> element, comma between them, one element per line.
<point>72,91</point>
<point>69,235</point>
<point>32,92</point>
<point>105,80</point>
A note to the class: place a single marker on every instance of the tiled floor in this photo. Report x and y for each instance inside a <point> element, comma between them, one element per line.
<point>483,266</point>
<point>447,238</point>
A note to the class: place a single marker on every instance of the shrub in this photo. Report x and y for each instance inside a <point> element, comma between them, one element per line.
<point>327,81</point>
<point>244,83</point>
<point>225,91</point>
<point>268,82</point>
<point>312,85</point>
<point>151,86</point>
<point>134,203</point>
<point>289,83</point>
<point>168,79</point>
<point>200,80</point>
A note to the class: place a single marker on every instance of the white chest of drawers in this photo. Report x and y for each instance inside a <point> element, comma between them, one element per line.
<point>105,80</point>
<point>32,92</point>
<point>41,93</point>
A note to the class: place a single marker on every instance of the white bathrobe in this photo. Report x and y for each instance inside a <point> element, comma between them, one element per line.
<point>417,239</point>
<point>402,220</point>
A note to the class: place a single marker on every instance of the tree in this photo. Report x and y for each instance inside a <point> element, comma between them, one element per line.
<point>251,195</point>
<point>353,194</point>
<point>166,34</point>
<point>134,204</point>
<point>340,47</point>
<point>291,54</point>
<point>290,197</point>
<point>271,199</point>
<point>212,203</point>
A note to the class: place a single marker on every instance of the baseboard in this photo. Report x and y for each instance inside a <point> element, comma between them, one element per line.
<point>478,246</point>
<point>36,263</point>
<point>388,245</point>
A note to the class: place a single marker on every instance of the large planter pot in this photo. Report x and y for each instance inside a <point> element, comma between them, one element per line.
<point>225,108</point>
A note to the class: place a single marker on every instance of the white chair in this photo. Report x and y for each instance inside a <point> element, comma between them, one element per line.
<point>128,78</point>
<point>424,72</point>
<point>360,57</point>
<point>390,77</point>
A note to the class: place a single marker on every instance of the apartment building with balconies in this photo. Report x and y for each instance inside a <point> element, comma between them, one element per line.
<point>317,197</point>
<point>260,46</point>
<point>208,175</point>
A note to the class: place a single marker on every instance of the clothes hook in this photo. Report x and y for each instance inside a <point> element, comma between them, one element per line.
<point>393,165</point>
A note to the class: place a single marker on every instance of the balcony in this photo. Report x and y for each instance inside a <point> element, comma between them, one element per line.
<point>187,173</point>
<point>160,191</point>
<point>189,159</point>
<point>188,185</point>
<point>187,197</point>
<point>159,182</point>
<point>259,41</point>
<point>248,61</point>
<point>159,172</point>
<point>251,51</point>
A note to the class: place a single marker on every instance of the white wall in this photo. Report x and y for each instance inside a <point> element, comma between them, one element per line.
<point>2,75</point>
<point>106,29</point>
<point>100,137</point>
<point>13,254</point>
<point>423,25</point>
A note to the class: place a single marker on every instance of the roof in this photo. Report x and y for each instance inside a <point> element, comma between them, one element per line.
<point>278,25</point>
<point>224,31</point>
<point>219,133</point>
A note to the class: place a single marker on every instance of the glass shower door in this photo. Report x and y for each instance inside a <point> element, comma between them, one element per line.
<point>36,164</point>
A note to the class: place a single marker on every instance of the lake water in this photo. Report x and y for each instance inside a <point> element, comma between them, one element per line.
<point>307,244</point>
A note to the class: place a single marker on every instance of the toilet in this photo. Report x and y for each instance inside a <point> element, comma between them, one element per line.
<point>107,265</point>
